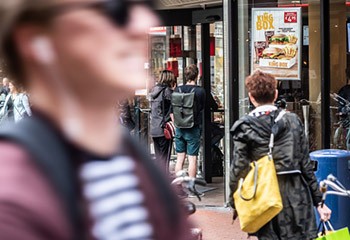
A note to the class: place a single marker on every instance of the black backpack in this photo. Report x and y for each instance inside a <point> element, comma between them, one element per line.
<point>184,108</point>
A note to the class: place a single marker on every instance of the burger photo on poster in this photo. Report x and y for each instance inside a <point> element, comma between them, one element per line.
<point>287,52</point>
<point>282,39</point>
<point>279,57</point>
<point>272,53</point>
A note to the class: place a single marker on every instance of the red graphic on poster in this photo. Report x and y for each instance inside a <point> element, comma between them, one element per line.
<point>290,17</point>
<point>173,65</point>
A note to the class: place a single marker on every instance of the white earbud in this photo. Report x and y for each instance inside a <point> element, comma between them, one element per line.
<point>43,49</point>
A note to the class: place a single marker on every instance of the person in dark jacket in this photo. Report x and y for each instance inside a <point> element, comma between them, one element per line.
<point>297,182</point>
<point>160,114</point>
<point>77,59</point>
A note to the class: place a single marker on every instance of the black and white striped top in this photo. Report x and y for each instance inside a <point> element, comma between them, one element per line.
<point>115,201</point>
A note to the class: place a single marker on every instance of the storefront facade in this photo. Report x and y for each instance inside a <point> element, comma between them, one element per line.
<point>230,39</point>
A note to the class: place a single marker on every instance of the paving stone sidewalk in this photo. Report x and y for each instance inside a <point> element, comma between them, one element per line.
<point>216,224</point>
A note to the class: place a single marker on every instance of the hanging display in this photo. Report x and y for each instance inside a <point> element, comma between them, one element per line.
<point>276,38</point>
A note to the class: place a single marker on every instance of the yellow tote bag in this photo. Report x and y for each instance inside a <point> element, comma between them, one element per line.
<point>258,198</point>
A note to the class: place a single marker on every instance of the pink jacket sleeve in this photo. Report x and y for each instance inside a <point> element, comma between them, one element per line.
<point>29,207</point>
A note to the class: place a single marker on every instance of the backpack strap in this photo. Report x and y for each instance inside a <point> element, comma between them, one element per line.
<point>192,90</point>
<point>52,157</point>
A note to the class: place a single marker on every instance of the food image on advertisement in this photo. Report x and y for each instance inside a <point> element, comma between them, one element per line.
<point>259,48</point>
<point>282,39</point>
<point>279,39</point>
<point>276,42</point>
<point>292,39</point>
<point>279,57</point>
<point>290,50</point>
<point>268,35</point>
<point>272,53</point>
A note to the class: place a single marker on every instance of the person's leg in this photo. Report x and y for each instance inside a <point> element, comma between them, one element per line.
<point>168,155</point>
<point>161,146</point>
<point>156,146</point>
<point>180,161</point>
<point>193,143</point>
<point>180,145</point>
<point>192,166</point>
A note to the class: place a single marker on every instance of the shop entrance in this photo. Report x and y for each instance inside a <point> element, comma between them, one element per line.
<point>196,37</point>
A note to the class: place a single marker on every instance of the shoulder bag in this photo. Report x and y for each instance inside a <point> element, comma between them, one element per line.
<point>258,197</point>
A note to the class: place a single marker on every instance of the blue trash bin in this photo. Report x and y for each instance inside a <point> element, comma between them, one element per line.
<point>336,162</point>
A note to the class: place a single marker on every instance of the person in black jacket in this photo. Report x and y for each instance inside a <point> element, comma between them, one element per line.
<point>160,114</point>
<point>297,182</point>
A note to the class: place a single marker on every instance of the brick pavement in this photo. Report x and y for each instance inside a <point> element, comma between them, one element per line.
<point>214,219</point>
<point>216,224</point>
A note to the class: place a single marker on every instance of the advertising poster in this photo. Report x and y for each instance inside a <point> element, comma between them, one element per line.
<point>276,42</point>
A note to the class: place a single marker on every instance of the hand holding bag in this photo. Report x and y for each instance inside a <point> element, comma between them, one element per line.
<point>331,234</point>
<point>258,198</point>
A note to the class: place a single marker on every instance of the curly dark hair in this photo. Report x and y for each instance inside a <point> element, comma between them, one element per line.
<point>262,86</point>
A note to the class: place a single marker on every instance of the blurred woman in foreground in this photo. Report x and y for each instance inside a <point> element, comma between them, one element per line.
<point>77,58</point>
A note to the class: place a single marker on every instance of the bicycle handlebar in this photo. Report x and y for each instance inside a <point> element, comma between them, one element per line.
<point>338,188</point>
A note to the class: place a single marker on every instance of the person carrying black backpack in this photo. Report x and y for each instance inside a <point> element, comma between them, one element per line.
<point>188,103</point>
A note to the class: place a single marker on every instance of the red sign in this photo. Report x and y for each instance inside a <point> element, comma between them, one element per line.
<point>290,17</point>
<point>175,47</point>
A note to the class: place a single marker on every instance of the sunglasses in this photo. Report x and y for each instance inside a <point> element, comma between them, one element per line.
<point>118,11</point>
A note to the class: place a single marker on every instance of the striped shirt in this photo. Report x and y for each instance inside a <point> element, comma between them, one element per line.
<point>115,201</point>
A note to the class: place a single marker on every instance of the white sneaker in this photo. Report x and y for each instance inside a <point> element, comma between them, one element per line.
<point>191,195</point>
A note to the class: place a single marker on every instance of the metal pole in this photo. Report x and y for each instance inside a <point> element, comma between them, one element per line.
<point>230,8</point>
<point>325,74</point>
<point>207,161</point>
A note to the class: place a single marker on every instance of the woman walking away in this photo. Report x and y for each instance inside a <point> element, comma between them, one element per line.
<point>16,104</point>
<point>160,114</point>
<point>297,182</point>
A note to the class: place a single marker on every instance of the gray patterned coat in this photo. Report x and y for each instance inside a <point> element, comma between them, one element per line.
<point>298,184</point>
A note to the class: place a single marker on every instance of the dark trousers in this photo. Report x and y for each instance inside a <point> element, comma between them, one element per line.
<point>162,148</point>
